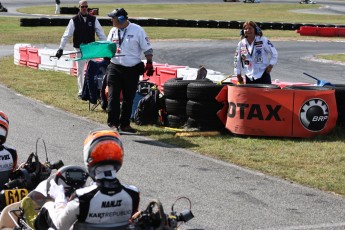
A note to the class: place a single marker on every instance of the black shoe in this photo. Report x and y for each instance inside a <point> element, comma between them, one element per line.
<point>127,129</point>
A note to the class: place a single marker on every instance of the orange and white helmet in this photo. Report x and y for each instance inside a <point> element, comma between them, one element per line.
<point>3,127</point>
<point>102,148</point>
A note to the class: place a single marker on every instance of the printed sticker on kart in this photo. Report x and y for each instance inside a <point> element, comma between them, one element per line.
<point>14,195</point>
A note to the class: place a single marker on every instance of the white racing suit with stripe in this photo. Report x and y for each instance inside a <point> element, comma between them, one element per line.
<point>8,163</point>
<point>94,205</point>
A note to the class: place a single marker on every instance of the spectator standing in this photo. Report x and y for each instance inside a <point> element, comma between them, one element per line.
<point>255,56</point>
<point>82,27</point>
<point>57,6</point>
<point>125,68</point>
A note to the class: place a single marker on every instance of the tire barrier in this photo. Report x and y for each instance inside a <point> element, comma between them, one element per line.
<point>340,99</point>
<point>175,121</point>
<point>69,10</point>
<point>175,94</point>
<point>157,22</point>
<point>202,107</point>
<point>202,110</point>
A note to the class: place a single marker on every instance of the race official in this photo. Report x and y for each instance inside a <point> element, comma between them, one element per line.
<point>125,68</point>
<point>82,27</point>
<point>255,56</point>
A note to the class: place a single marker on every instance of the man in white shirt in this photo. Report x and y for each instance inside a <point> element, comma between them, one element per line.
<point>125,68</point>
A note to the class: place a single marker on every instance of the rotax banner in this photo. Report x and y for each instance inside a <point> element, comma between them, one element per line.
<point>270,111</point>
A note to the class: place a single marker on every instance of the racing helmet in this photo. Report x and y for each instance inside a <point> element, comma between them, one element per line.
<point>72,177</point>
<point>3,127</point>
<point>102,148</point>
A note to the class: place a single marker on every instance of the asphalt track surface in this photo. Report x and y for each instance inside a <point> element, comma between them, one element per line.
<point>224,196</point>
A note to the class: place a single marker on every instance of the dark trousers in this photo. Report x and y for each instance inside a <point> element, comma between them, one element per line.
<point>125,80</point>
<point>264,79</point>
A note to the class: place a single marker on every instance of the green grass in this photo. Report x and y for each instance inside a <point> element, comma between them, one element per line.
<point>317,162</point>
<point>12,32</point>
<point>332,57</point>
<point>215,11</point>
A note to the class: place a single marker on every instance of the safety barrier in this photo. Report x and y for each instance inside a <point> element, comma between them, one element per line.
<point>161,22</point>
<point>284,109</point>
<point>156,79</point>
<point>294,111</point>
<point>23,55</point>
<point>20,55</point>
<point>47,63</point>
<point>321,31</point>
<point>43,59</point>
<point>166,72</point>
<point>33,58</point>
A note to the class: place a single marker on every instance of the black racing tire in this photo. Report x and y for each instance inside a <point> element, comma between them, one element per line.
<point>205,124</point>
<point>203,91</point>
<point>340,100</point>
<point>306,87</point>
<point>176,89</point>
<point>268,86</point>
<point>44,21</point>
<point>174,121</point>
<point>203,110</point>
<point>175,107</point>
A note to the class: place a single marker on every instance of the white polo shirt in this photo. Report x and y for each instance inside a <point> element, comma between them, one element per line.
<point>131,42</point>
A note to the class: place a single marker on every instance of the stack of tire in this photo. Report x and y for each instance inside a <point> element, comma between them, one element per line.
<point>192,104</point>
<point>340,100</point>
<point>175,94</point>
<point>202,107</point>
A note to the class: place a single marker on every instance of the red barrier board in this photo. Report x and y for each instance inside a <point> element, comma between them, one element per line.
<point>23,56</point>
<point>167,72</point>
<point>259,111</point>
<point>154,78</point>
<point>315,112</point>
<point>291,112</point>
<point>33,58</point>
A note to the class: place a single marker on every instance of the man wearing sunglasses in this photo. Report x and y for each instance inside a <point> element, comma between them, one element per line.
<point>83,28</point>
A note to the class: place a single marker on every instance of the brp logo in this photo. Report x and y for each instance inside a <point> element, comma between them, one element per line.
<point>314,114</point>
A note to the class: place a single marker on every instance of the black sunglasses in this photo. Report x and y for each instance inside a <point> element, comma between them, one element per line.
<point>84,6</point>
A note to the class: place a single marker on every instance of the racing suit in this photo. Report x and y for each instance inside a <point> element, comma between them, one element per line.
<point>254,59</point>
<point>8,163</point>
<point>94,205</point>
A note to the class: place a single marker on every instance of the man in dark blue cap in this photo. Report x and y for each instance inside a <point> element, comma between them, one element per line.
<point>125,68</point>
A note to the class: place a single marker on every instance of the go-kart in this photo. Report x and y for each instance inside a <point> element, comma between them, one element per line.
<point>26,178</point>
<point>152,218</point>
